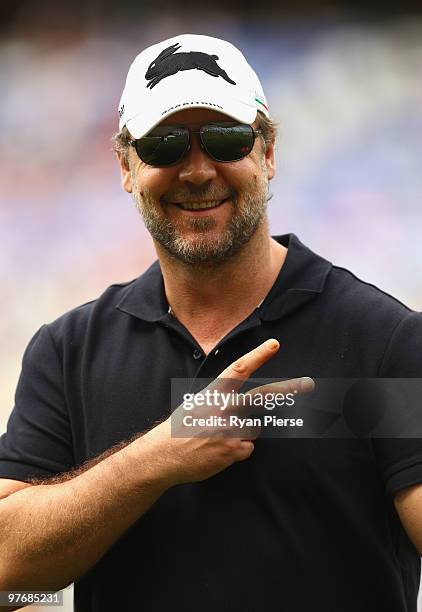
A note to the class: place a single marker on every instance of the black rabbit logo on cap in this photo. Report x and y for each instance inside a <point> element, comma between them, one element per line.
<point>168,63</point>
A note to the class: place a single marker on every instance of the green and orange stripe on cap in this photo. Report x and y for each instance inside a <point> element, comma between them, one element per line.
<point>262,104</point>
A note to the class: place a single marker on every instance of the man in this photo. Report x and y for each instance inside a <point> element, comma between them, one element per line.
<point>153,522</point>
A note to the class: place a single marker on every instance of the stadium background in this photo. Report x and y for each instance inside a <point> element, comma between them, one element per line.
<point>344,80</point>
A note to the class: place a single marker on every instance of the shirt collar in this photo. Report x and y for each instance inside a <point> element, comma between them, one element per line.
<point>301,278</point>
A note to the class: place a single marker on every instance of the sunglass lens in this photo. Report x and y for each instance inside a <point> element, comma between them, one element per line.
<point>163,146</point>
<point>227,142</point>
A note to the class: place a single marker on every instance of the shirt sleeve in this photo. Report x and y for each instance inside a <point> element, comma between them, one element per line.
<point>38,441</point>
<point>400,460</point>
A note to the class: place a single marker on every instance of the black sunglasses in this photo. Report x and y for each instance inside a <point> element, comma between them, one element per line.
<point>166,145</point>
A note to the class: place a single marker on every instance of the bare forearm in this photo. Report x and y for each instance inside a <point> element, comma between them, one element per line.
<point>52,534</point>
<point>408,504</point>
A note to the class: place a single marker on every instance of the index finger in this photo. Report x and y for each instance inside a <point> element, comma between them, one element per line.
<point>232,378</point>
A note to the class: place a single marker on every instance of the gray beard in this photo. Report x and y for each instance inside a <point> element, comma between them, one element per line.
<point>202,249</point>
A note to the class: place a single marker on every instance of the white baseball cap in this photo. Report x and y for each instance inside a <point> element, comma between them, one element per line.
<point>189,71</point>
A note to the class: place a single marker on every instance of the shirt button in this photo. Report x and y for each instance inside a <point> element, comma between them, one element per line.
<point>197,354</point>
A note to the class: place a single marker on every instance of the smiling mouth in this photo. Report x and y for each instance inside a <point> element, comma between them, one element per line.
<point>200,205</point>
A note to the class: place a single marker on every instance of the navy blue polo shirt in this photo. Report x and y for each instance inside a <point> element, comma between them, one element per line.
<point>303,524</point>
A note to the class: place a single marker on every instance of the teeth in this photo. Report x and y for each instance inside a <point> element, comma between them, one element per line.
<point>200,205</point>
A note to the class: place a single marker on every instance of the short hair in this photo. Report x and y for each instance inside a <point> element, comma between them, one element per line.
<point>121,140</point>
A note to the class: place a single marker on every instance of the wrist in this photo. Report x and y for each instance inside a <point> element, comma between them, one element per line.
<point>150,453</point>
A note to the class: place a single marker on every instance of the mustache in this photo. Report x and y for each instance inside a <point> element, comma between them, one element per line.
<point>197,193</point>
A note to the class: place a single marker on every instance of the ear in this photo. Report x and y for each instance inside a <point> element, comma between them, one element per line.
<point>125,173</point>
<point>168,51</point>
<point>270,160</point>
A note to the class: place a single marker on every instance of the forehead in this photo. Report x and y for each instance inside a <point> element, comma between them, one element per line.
<point>195,116</point>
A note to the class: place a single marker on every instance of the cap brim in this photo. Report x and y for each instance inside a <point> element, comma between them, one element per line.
<point>141,124</point>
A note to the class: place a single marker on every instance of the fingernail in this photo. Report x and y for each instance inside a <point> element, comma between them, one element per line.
<point>272,344</point>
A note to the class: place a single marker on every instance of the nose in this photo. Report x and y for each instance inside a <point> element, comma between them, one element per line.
<point>197,167</point>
